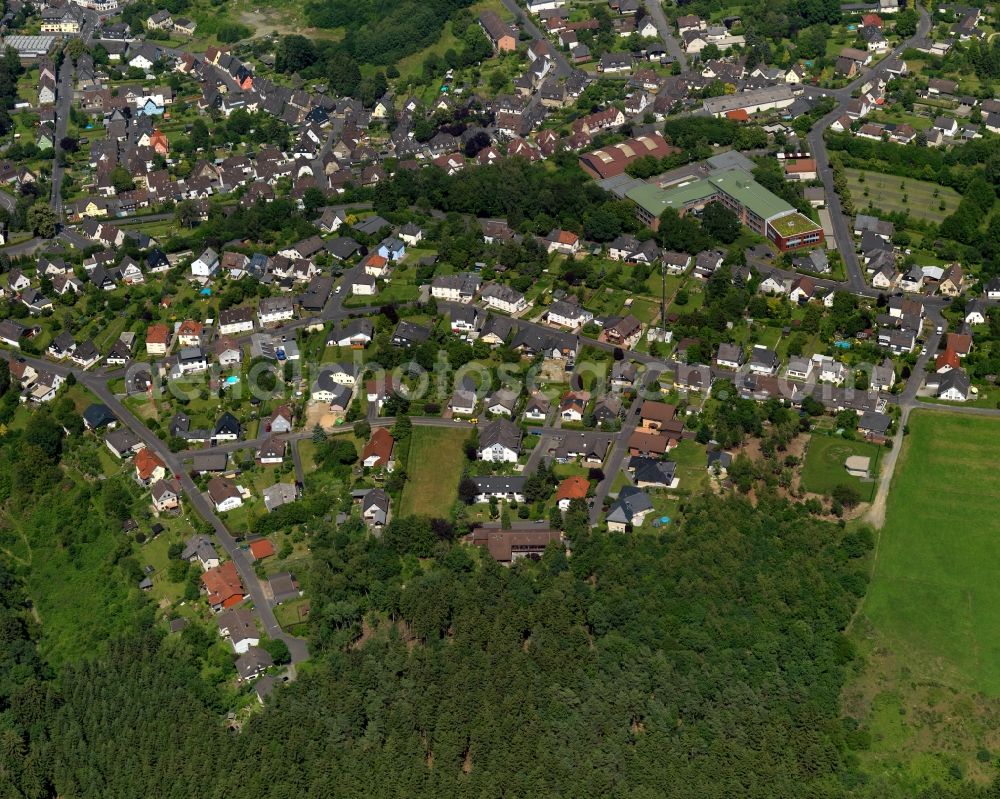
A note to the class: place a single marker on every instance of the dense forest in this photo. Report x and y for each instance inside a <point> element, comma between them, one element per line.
<point>706,660</point>
<point>383,31</point>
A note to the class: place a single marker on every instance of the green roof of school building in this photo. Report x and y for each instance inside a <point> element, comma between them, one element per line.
<point>656,200</point>
<point>793,225</point>
<point>749,193</point>
<point>737,183</point>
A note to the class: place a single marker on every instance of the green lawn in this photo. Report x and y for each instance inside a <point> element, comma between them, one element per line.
<point>929,630</point>
<point>892,193</point>
<point>433,470</point>
<point>824,465</point>
<point>936,587</point>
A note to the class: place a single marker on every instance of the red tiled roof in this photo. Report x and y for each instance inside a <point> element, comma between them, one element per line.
<point>959,342</point>
<point>262,548</point>
<point>947,358</point>
<point>379,445</point>
<point>189,327</point>
<point>146,463</point>
<point>157,334</point>
<point>573,488</point>
<point>223,585</point>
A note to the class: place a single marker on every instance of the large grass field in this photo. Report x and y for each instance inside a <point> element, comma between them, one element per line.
<point>936,587</point>
<point>906,195</point>
<point>824,465</point>
<point>928,688</point>
<point>433,469</point>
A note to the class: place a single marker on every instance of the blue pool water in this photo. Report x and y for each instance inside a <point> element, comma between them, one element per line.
<point>232,380</point>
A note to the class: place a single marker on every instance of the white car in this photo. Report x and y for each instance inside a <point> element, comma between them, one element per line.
<point>337,290</point>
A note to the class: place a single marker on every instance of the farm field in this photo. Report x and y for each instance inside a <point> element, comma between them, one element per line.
<point>433,469</point>
<point>936,589</point>
<point>824,464</point>
<point>905,195</point>
<point>928,692</point>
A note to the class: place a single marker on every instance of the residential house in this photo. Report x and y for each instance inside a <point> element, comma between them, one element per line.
<point>274,497</point>
<point>730,356</point>
<point>629,510</point>
<point>508,546</point>
<point>377,453</point>
<point>237,624</point>
<point>502,487</point>
<point>272,310</point>
<point>148,466</point>
<point>199,549</point>
<point>253,663</point>
<point>271,451</point>
<point>224,494</point>
<point>504,298</point>
<point>205,265</point>
<point>157,339</point>
<point>500,441</point>
<point>763,361</point>
<point>375,506</point>
<point>572,488</point>
<point>165,496</point>
<point>233,321</point>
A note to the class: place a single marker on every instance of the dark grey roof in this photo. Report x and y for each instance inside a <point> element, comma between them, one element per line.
<point>630,502</point>
<point>501,484</point>
<point>875,422</point>
<point>500,431</point>
<point>98,415</point>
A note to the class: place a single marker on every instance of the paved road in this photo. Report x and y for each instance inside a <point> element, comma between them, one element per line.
<point>64,98</point>
<point>619,449</point>
<point>841,226</point>
<point>97,384</point>
<point>25,247</point>
<point>244,565</point>
<point>74,239</point>
<point>655,10</point>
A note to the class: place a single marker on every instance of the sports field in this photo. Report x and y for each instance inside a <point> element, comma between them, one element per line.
<point>824,468</point>
<point>433,469</point>
<point>906,195</point>
<point>935,594</point>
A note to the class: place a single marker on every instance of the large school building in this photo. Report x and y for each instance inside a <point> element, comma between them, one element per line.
<point>757,208</point>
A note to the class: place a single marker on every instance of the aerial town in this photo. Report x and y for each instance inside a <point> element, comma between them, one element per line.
<point>317,310</point>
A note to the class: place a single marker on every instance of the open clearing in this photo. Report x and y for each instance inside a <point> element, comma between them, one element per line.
<point>905,195</point>
<point>929,690</point>
<point>433,470</point>
<point>936,589</point>
<point>824,466</point>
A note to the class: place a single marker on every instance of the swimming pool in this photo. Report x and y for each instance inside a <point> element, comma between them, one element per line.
<point>232,380</point>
